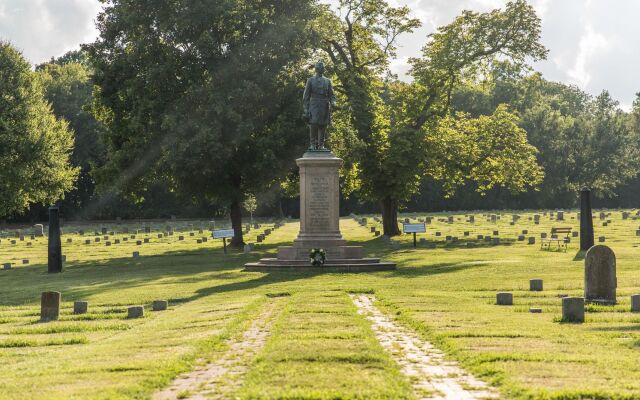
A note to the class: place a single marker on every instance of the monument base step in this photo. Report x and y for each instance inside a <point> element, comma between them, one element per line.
<point>335,265</point>
<point>297,252</point>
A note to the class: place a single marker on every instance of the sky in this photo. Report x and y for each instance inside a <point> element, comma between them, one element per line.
<point>594,44</point>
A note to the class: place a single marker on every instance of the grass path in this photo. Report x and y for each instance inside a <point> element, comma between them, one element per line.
<point>431,375</point>
<point>222,377</point>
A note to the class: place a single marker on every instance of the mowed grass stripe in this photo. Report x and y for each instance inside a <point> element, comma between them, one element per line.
<point>321,348</point>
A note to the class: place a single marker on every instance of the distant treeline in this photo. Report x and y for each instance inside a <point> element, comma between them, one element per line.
<point>581,140</point>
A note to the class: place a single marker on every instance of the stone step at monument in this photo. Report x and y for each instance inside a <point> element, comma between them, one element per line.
<point>327,267</point>
<point>305,263</point>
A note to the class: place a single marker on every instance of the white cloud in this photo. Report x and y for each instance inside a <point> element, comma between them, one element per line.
<point>592,43</point>
<point>46,28</point>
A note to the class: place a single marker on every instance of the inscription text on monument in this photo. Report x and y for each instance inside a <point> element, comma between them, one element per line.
<point>319,204</point>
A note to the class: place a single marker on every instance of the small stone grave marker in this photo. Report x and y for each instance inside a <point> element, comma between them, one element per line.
<point>573,309</point>
<point>635,303</point>
<point>504,299</point>
<point>160,305</point>
<point>135,312</point>
<point>80,307</point>
<point>535,285</point>
<point>50,306</point>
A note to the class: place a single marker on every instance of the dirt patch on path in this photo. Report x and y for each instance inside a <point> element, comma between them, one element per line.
<point>431,375</point>
<point>219,379</point>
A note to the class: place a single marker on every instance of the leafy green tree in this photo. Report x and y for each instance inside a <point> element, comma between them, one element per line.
<point>251,205</point>
<point>581,140</point>
<point>68,87</point>
<point>392,152</point>
<point>202,95</point>
<point>35,147</point>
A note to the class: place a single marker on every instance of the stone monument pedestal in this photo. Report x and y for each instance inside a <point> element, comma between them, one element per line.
<point>320,222</point>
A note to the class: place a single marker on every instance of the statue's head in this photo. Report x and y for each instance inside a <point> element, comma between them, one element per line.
<point>320,67</point>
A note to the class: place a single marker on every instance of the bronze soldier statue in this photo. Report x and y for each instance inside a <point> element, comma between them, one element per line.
<point>317,102</point>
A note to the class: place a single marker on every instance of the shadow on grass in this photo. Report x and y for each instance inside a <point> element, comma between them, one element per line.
<point>628,328</point>
<point>82,279</point>
<point>579,255</point>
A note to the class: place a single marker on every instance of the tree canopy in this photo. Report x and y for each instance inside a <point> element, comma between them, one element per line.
<point>394,123</point>
<point>35,146</point>
<point>203,96</point>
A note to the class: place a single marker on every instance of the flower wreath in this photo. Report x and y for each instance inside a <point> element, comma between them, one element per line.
<point>317,257</point>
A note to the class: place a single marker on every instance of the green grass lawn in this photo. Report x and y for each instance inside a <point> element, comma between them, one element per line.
<point>320,348</point>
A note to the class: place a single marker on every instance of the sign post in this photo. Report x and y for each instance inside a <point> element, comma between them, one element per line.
<point>414,228</point>
<point>223,234</point>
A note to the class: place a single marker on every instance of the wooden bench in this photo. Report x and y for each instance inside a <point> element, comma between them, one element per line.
<point>555,238</point>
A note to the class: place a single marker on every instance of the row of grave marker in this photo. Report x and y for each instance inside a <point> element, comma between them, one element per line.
<point>50,307</point>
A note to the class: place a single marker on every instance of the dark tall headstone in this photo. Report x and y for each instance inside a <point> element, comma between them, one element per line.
<point>55,246</point>
<point>586,220</point>
<point>600,279</point>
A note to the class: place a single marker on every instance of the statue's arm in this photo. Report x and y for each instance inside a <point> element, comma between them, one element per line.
<point>332,95</point>
<point>306,97</point>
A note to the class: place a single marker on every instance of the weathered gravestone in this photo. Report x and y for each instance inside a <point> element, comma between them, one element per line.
<point>160,305</point>
<point>38,230</point>
<point>600,275</point>
<point>135,312</point>
<point>80,307</point>
<point>50,306</point>
<point>573,309</point>
<point>535,285</point>
<point>635,303</point>
<point>504,299</point>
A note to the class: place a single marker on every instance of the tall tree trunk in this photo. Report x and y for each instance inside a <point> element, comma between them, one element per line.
<point>390,216</point>
<point>236,224</point>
